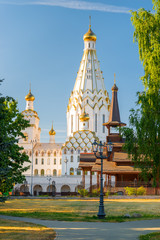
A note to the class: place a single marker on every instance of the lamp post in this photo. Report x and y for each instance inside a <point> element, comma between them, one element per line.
<point>32,141</point>
<point>53,188</point>
<point>98,152</point>
<point>49,179</point>
<point>66,161</point>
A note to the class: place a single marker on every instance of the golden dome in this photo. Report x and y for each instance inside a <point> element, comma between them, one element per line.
<point>52,132</point>
<point>29,96</point>
<point>84,116</point>
<point>89,36</point>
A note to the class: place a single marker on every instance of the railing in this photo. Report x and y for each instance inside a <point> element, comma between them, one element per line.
<point>132,184</point>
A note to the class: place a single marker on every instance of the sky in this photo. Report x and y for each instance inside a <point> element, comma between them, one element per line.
<point>41,42</point>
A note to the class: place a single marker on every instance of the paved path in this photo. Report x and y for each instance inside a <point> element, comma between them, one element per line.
<point>96,231</point>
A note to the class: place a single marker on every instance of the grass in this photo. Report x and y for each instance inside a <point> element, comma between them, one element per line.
<point>13,230</point>
<point>81,210</point>
<point>150,236</point>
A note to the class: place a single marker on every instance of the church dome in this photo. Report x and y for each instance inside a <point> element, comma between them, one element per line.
<point>29,96</point>
<point>89,36</point>
<point>52,132</point>
<point>114,88</point>
<point>84,117</point>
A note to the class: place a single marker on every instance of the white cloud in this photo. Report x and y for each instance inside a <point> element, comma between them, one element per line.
<point>73,4</point>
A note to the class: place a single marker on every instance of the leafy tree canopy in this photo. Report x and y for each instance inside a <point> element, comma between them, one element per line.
<point>143,136</point>
<point>11,157</point>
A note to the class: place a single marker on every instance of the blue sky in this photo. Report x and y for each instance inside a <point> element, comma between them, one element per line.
<point>42,42</point>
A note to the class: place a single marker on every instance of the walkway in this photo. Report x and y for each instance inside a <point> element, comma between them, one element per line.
<point>96,231</point>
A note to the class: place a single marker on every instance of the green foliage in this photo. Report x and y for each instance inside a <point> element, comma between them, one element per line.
<point>150,236</point>
<point>95,192</point>
<point>143,138</point>
<point>141,191</point>
<point>107,193</point>
<point>130,191</point>
<point>135,191</point>
<point>83,192</point>
<point>11,158</point>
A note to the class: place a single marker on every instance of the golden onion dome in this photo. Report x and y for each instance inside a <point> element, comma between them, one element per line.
<point>29,96</point>
<point>52,132</point>
<point>89,36</point>
<point>84,116</point>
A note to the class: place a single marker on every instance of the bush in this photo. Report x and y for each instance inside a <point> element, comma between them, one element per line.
<point>141,191</point>
<point>95,192</point>
<point>107,193</point>
<point>130,191</point>
<point>83,192</point>
<point>135,191</point>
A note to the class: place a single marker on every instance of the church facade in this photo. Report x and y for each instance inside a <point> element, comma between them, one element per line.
<point>87,111</point>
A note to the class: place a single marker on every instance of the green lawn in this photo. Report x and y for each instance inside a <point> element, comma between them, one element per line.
<point>13,230</point>
<point>80,210</point>
<point>150,236</point>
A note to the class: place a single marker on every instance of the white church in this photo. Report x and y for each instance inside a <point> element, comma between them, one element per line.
<point>54,166</point>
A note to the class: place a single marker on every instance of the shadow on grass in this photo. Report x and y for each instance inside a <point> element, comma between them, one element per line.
<point>74,217</point>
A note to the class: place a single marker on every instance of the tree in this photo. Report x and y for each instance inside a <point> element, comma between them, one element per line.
<point>143,136</point>
<point>11,156</point>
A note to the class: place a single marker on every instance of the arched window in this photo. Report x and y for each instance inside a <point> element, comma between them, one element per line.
<point>54,153</point>
<point>54,172</point>
<point>54,161</point>
<point>49,154</point>
<point>48,161</point>
<point>71,171</point>
<point>71,158</point>
<point>30,153</point>
<point>42,172</point>
<point>71,150</point>
<point>36,153</point>
<point>42,153</point>
<point>60,161</point>
<point>78,172</point>
<point>36,161</point>
<point>65,151</point>
<point>35,172</point>
<point>42,161</point>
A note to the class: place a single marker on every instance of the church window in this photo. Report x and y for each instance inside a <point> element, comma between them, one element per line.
<point>35,172</point>
<point>55,154</point>
<point>78,172</point>
<point>89,45</point>
<point>42,153</point>
<point>49,154</point>
<point>30,154</point>
<point>93,45</point>
<point>71,158</point>
<point>54,161</point>
<point>60,161</point>
<point>78,158</point>
<point>42,172</point>
<point>71,123</point>
<point>87,100</point>
<point>48,161</point>
<point>54,172</point>
<point>36,161</point>
<point>42,161</point>
<point>96,122</point>
<point>71,150</point>
<point>36,154</point>
<point>103,122</point>
<point>71,171</point>
<point>65,151</point>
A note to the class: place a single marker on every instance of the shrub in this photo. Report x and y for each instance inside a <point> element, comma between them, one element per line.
<point>83,192</point>
<point>107,193</point>
<point>95,192</point>
<point>130,191</point>
<point>141,191</point>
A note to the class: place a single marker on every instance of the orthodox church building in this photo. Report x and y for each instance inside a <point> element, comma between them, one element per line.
<point>87,111</point>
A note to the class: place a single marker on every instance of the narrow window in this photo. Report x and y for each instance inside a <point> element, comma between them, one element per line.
<point>60,161</point>
<point>89,45</point>
<point>36,161</point>
<point>78,158</point>
<point>54,161</point>
<point>42,161</point>
<point>71,123</point>
<point>103,130</point>
<point>96,122</point>
<point>78,121</point>
<point>71,158</point>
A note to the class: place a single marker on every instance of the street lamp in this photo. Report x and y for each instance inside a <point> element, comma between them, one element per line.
<point>32,141</point>
<point>49,179</point>
<point>65,161</point>
<point>98,152</point>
